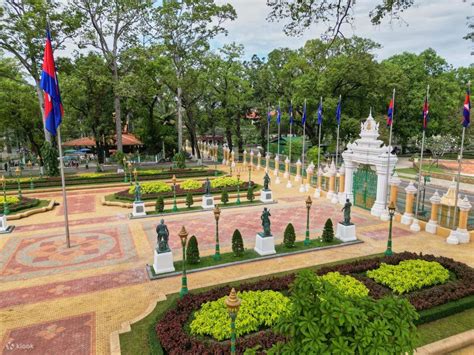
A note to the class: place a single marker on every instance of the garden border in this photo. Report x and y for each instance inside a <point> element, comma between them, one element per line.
<point>30,212</point>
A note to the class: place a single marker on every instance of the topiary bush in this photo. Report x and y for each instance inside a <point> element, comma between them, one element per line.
<point>237,244</point>
<point>190,184</point>
<point>410,275</point>
<point>180,160</point>
<point>192,251</point>
<point>250,194</point>
<point>50,159</point>
<point>160,204</point>
<point>189,199</point>
<point>347,285</point>
<point>258,309</point>
<point>225,196</point>
<point>152,188</point>
<point>289,236</point>
<point>328,231</point>
<point>224,181</point>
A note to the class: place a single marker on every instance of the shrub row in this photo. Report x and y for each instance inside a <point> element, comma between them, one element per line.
<point>24,203</point>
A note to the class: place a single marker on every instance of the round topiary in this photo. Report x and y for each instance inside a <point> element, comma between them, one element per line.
<point>160,204</point>
<point>237,243</point>
<point>328,231</point>
<point>289,236</point>
<point>189,199</point>
<point>250,194</point>
<point>192,251</point>
<point>225,196</point>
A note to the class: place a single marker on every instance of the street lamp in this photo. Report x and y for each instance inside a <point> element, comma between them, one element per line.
<point>124,161</point>
<point>391,212</point>
<point>309,202</point>
<point>250,174</point>
<point>175,208</point>
<point>217,213</point>
<point>130,171</point>
<point>6,210</point>
<point>18,175</point>
<point>233,304</point>
<point>183,235</point>
<point>238,188</point>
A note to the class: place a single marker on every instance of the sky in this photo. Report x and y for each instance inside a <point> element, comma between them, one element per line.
<point>437,24</point>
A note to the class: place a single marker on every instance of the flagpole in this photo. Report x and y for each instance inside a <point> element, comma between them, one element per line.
<point>63,184</point>
<point>420,170</point>
<point>278,149</point>
<point>291,126</point>
<point>389,150</point>
<point>304,141</point>
<point>337,139</point>
<point>268,131</point>
<point>459,167</point>
<point>319,141</point>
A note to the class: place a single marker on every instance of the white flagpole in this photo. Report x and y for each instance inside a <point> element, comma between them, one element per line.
<point>304,141</point>
<point>319,141</point>
<point>389,152</point>
<point>420,170</point>
<point>291,126</point>
<point>268,131</point>
<point>337,139</point>
<point>63,184</point>
<point>278,114</point>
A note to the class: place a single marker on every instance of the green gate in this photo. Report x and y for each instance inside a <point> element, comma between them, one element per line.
<point>365,187</point>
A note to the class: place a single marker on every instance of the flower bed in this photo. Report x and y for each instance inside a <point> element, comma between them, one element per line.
<point>174,337</point>
<point>22,204</point>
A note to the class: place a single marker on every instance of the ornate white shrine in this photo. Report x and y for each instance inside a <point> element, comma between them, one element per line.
<point>369,150</point>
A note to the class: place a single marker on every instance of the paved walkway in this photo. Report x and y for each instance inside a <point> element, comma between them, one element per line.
<point>56,299</point>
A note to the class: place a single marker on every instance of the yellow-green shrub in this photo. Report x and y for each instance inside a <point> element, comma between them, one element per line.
<point>347,285</point>
<point>190,184</point>
<point>152,188</point>
<point>10,200</point>
<point>258,308</point>
<point>224,181</point>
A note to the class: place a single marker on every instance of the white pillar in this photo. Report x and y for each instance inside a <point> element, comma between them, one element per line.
<point>331,174</point>
<point>379,204</point>
<point>432,225</point>
<point>394,181</point>
<point>259,160</point>
<point>408,214</point>
<point>349,183</point>
<point>251,158</point>
<point>461,234</point>
<point>341,196</point>
<point>298,171</point>
<point>277,169</point>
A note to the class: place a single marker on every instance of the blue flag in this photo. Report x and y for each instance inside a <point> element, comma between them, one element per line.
<point>467,110</point>
<point>303,118</point>
<point>269,116</point>
<point>290,110</point>
<point>338,112</point>
<point>320,113</point>
<point>278,115</point>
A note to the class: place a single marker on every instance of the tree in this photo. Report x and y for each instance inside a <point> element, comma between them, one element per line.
<point>440,145</point>
<point>112,26</point>
<point>23,34</point>
<point>237,244</point>
<point>289,236</point>
<point>189,199</point>
<point>225,196</point>
<point>160,204</point>
<point>322,320</point>
<point>50,159</point>
<point>328,231</point>
<point>192,251</point>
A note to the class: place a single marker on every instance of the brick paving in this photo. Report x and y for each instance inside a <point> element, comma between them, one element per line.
<point>72,300</point>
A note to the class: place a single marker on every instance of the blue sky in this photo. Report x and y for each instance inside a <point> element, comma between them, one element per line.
<point>439,24</point>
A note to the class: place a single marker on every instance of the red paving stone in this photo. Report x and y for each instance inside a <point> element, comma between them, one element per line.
<point>78,204</point>
<point>78,222</point>
<point>380,234</point>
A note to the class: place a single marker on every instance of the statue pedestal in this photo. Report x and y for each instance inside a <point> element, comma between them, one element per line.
<point>163,262</point>
<point>138,209</point>
<point>266,196</point>
<point>207,202</point>
<point>4,227</point>
<point>264,245</point>
<point>407,218</point>
<point>431,226</point>
<point>346,233</point>
<point>458,236</point>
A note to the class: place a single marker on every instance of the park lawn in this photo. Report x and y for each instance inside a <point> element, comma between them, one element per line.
<point>426,169</point>
<point>41,203</point>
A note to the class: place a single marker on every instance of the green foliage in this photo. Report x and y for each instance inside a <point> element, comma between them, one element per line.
<point>322,320</point>
<point>346,284</point>
<point>410,275</point>
<point>250,194</point>
<point>160,204</point>
<point>312,155</point>
<point>289,236</point>
<point>189,199</point>
<point>328,231</point>
<point>190,184</point>
<point>224,181</point>
<point>225,196</point>
<point>192,251</point>
<point>152,187</point>
<point>259,309</point>
<point>50,159</point>
<point>118,158</point>
<point>10,200</point>
<point>180,160</point>
<point>237,243</point>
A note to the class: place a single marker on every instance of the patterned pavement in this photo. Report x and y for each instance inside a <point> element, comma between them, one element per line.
<point>55,300</point>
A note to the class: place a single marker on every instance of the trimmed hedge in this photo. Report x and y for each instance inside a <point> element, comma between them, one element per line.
<point>24,203</point>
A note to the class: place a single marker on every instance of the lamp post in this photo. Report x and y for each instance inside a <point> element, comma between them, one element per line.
<point>175,208</point>
<point>233,304</point>
<point>217,213</point>
<point>391,212</point>
<point>231,165</point>
<point>124,161</point>
<point>18,175</point>
<point>6,210</point>
<point>309,202</point>
<point>238,188</point>
<point>250,174</point>
<point>183,235</point>
<point>130,171</point>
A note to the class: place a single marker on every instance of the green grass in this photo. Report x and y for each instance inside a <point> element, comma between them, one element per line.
<point>41,203</point>
<point>225,258</point>
<point>299,245</point>
<point>426,169</point>
<point>445,327</point>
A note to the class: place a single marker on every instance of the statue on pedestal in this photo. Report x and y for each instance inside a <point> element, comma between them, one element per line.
<point>347,213</point>
<point>138,192</point>
<point>162,237</point>
<point>266,182</point>
<point>207,187</point>
<point>266,222</point>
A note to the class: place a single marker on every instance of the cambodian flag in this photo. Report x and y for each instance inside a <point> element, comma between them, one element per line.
<point>290,110</point>
<point>425,113</point>
<point>390,114</point>
<point>269,116</point>
<point>303,118</point>
<point>467,110</point>
<point>278,114</point>
<point>53,108</point>
<point>338,112</point>
<point>320,113</point>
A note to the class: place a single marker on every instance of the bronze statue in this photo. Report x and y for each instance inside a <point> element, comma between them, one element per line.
<point>207,187</point>
<point>162,237</point>
<point>266,182</point>
<point>347,213</point>
<point>266,222</point>
<point>138,192</point>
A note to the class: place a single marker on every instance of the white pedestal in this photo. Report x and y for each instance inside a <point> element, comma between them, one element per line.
<point>453,238</point>
<point>138,209</point>
<point>4,227</point>
<point>341,196</point>
<point>317,193</point>
<point>277,180</point>
<point>207,202</point>
<point>264,245</point>
<point>346,233</point>
<point>377,209</point>
<point>302,188</point>
<point>431,226</point>
<point>407,218</point>
<point>415,227</point>
<point>163,262</point>
<point>298,178</point>
<point>289,185</point>
<point>462,235</point>
<point>266,196</point>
